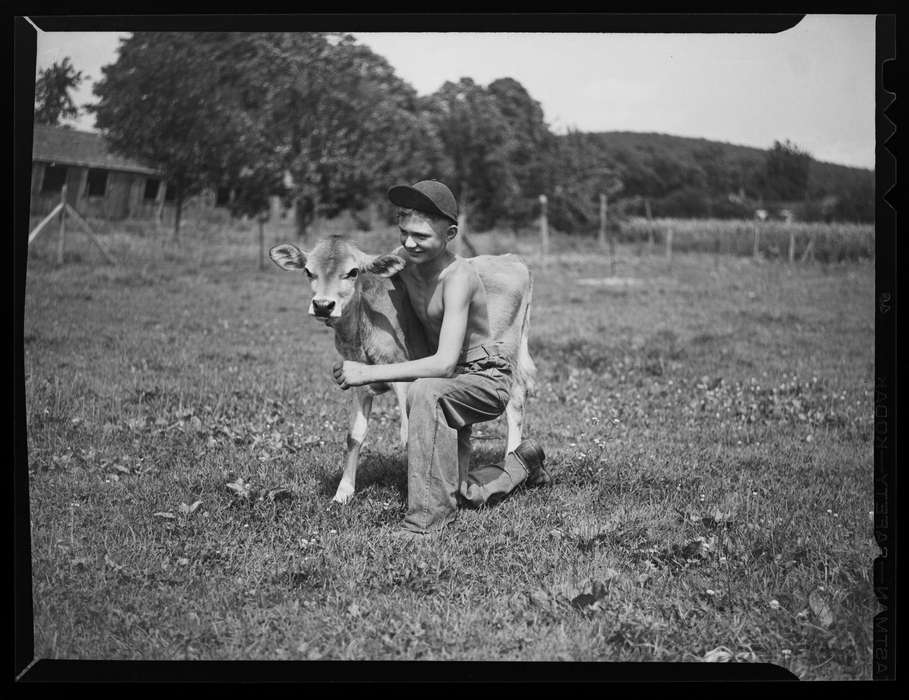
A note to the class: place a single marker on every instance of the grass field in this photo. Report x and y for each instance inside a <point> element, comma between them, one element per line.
<point>708,426</point>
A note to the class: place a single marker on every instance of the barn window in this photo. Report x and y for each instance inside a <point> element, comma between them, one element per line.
<point>170,194</point>
<point>222,198</point>
<point>54,178</point>
<point>151,188</point>
<point>97,182</point>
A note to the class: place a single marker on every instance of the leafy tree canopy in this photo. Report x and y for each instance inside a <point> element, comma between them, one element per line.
<point>786,171</point>
<point>53,102</point>
<point>480,149</point>
<point>212,108</point>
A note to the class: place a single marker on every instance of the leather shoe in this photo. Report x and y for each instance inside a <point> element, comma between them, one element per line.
<point>532,457</point>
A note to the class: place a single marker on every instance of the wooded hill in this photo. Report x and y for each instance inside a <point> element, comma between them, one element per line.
<point>693,177</point>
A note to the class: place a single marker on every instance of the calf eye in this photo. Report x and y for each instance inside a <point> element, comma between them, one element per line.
<point>353,273</point>
<point>308,273</point>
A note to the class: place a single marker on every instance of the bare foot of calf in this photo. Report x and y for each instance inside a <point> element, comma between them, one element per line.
<point>344,493</point>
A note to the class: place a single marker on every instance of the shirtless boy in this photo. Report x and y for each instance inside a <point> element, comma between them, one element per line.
<point>464,381</point>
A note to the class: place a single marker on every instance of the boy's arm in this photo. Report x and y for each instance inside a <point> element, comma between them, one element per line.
<point>457,292</point>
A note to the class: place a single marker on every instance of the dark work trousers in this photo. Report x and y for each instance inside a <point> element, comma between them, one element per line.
<point>441,412</point>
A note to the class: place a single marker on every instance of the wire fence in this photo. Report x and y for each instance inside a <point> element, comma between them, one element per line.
<point>825,242</point>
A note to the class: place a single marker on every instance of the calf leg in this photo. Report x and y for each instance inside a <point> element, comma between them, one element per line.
<point>360,408</point>
<point>514,416</point>
<point>400,389</point>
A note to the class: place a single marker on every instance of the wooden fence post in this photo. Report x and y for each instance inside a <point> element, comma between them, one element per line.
<point>44,222</point>
<point>602,233</point>
<point>544,229</point>
<point>649,226</point>
<point>757,241</point>
<point>669,246</point>
<point>87,230</point>
<point>809,250</point>
<point>159,203</point>
<point>261,242</point>
<point>274,207</point>
<point>791,246</point>
<point>62,238</point>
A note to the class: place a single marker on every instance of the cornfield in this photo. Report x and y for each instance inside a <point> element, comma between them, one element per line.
<point>832,242</point>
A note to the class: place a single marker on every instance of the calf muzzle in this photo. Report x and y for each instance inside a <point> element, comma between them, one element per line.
<point>322,308</point>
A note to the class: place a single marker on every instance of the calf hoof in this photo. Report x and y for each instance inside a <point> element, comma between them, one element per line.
<point>344,493</point>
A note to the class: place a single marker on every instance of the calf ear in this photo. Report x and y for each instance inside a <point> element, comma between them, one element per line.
<point>385,265</point>
<point>288,257</point>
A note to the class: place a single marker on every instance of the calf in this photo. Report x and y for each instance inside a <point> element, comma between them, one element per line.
<point>361,298</point>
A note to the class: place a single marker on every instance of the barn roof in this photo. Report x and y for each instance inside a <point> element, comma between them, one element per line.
<point>56,144</point>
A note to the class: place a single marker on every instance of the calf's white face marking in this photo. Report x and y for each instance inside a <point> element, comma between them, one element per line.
<point>333,268</point>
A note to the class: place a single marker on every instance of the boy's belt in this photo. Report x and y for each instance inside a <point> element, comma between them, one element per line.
<point>481,352</point>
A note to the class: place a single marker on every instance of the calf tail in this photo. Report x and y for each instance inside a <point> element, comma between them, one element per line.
<point>527,370</point>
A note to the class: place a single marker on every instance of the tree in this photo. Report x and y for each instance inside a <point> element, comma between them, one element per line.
<point>479,144</point>
<point>856,202</point>
<point>339,120</point>
<point>52,93</point>
<point>718,178</point>
<point>581,173</point>
<point>684,202</point>
<point>250,190</point>
<point>534,155</point>
<point>786,172</point>
<point>209,107</point>
<point>169,100</point>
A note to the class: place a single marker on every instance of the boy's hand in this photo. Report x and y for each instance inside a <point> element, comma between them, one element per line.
<point>348,374</point>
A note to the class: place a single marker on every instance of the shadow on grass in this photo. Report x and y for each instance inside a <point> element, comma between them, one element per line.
<point>375,470</point>
<point>386,475</point>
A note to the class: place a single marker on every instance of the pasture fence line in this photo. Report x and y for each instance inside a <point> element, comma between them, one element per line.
<point>802,241</point>
<point>64,209</point>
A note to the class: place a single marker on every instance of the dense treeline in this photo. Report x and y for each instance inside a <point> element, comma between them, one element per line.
<point>326,123</point>
<point>689,177</point>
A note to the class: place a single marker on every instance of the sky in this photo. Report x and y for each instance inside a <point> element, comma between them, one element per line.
<point>812,84</point>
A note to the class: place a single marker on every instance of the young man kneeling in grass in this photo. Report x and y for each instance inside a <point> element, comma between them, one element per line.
<point>466,380</point>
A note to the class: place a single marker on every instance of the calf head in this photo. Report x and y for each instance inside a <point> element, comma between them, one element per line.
<point>333,267</point>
